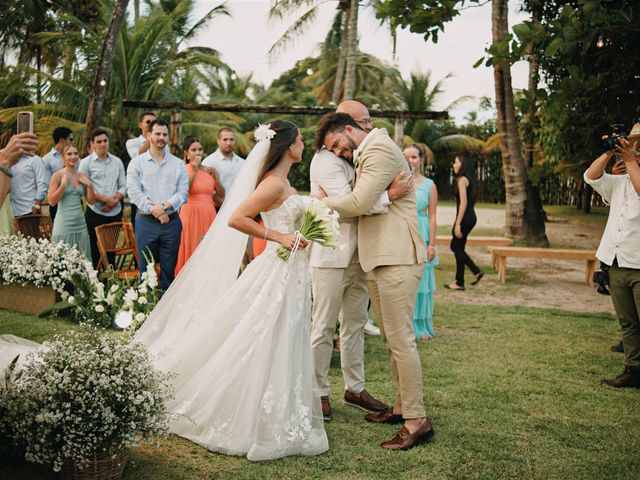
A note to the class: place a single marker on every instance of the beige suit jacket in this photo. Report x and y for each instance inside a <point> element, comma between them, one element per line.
<point>335,176</point>
<point>391,239</point>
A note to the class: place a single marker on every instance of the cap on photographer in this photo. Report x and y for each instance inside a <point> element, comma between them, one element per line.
<point>620,244</point>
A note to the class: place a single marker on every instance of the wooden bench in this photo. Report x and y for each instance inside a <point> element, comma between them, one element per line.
<point>476,241</point>
<point>499,258</point>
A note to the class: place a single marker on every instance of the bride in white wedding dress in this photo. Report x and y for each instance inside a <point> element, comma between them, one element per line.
<point>240,347</point>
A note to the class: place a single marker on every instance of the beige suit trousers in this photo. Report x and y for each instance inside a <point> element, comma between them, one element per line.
<point>339,292</point>
<point>393,291</point>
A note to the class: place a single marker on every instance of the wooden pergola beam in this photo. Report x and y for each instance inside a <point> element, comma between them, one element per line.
<point>216,107</point>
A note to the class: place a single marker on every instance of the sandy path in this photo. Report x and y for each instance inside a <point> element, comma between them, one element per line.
<point>542,283</point>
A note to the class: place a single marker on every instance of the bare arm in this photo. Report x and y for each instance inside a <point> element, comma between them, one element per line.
<point>432,210</point>
<point>89,194</point>
<point>596,169</point>
<point>219,193</point>
<point>628,154</point>
<point>56,187</point>
<point>269,193</point>
<point>463,183</point>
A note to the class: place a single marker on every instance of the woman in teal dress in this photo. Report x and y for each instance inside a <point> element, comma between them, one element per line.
<point>66,190</point>
<point>427,200</point>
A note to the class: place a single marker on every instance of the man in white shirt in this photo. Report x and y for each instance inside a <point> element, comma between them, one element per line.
<point>139,145</point>
<point>620,248</point>
<point>224,160</point>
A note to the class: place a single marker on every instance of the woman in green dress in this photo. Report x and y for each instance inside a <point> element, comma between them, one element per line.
<point>66,190</point>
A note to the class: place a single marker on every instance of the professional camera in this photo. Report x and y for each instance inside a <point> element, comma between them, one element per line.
<point>611,141</point>
<point>601,278</point>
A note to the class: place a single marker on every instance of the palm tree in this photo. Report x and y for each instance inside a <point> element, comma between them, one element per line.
<point>524,219</point>
<point>146,65</point>
<point>94,113</point>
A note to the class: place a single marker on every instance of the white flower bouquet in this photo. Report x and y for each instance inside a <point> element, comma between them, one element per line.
<point>81,394</point>
<point>319,224</point>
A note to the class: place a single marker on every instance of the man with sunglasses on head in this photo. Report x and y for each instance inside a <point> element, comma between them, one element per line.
<point>619,247</point>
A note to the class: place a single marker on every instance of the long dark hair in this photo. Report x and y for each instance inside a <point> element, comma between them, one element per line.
<point>467,170</point>
<point>286,134</point>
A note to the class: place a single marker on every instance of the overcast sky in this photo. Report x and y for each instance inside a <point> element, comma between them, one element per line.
<point>245,38</point>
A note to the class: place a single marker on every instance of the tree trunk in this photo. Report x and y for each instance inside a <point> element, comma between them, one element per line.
<point>587,193</point>
<point>136,10</point>
<point>352,52</point>
<point>38,78</point>
<point>524,219</point>
<point>96,101</point>
<point>342,58</point>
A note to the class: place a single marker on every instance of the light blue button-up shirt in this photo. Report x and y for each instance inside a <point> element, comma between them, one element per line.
<point>107,178</point>
<point>150,182</point>
<point>52,162</point>
<point>27,185</point>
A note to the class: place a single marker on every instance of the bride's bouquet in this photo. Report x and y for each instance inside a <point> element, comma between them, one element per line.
<point>319,224</point>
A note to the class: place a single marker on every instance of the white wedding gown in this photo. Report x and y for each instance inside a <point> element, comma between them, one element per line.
<point>254,392</point>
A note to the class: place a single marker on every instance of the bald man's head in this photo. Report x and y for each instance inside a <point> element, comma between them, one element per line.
<point>358,112</point>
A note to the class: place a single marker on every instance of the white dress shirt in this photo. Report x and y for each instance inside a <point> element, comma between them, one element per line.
<point>227,169</point>
<point>621,238</point>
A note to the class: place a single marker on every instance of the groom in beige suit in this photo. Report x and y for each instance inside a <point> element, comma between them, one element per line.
<point>392,254</point>
<point>337,279</point>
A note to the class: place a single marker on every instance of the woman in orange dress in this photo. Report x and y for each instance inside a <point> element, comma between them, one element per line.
<point>198,213</point>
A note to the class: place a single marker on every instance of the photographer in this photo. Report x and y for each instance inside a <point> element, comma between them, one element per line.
<point>620,246</point>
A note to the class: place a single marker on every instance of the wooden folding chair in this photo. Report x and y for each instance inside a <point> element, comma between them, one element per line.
<point>118,239</point>
<point>36,226</point>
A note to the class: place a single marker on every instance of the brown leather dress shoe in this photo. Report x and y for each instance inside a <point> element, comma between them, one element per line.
<point>364,401</point>
<point>629,378</point>
<point>403,440</point>
<point>384,417</point>
<point>326,408</point>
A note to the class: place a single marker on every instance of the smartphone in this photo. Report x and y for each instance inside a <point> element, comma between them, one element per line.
<point>25,122</point>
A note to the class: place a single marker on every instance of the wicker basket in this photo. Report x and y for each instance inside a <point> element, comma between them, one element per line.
<point>103,466</point>
<point>26,299</point>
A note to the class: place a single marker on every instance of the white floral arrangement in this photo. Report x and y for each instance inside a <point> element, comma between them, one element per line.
<point>81,394</point>
<point>102,302</point>
<point>319,224</point>
<point>27,261</point>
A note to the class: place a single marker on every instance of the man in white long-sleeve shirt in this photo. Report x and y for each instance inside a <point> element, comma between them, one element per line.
<point>620,248</point>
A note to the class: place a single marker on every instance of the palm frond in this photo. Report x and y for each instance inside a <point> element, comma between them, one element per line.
<point>290,35</point>
<point>218,11</point>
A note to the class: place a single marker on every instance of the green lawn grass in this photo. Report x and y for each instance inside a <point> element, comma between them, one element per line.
<point>512,393</point>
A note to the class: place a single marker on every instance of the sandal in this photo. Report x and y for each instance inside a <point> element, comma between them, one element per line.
<point>478,278</point>
<point>454,286</point>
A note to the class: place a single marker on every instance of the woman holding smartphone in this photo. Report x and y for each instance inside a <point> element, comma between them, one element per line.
<point>205,192</point>
<point>66,189</point>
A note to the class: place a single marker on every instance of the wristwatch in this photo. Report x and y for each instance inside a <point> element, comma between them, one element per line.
<point>6,171</point>
<point>37,207</point>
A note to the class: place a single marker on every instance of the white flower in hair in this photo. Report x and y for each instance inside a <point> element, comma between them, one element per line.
<point>264,132</point>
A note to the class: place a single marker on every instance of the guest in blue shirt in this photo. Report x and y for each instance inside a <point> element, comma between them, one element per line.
<point>28,187</point>
<point>52,161</point>
<point>157,183</point>
<point>106,172</point>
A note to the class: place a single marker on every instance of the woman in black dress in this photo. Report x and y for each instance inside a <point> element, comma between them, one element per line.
<point>465,220</point>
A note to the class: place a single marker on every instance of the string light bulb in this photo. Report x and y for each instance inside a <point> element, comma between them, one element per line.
<point>160,81</point>
<point>309,71</point>
<point>600,42</point>
<point>103,82</point>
